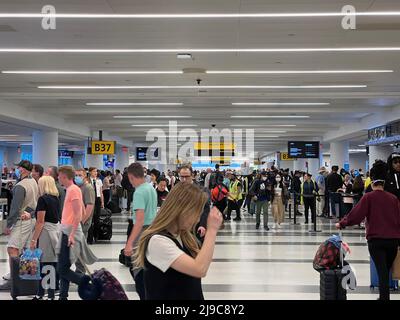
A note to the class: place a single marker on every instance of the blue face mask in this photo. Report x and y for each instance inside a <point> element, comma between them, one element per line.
<point>78,181</point>
<point>17,173</point>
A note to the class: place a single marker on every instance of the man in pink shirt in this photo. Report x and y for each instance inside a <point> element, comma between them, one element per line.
<point>72,245</point>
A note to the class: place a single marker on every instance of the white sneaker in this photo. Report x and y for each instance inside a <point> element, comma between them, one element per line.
<point>7,277</point>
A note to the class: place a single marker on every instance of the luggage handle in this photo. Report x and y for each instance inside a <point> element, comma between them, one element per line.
<point>85,267</point>
<point>341,249</point>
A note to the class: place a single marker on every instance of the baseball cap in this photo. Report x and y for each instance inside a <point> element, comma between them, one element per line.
<point>26,164</point>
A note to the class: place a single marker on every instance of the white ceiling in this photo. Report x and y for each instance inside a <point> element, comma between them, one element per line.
<point>213,106</point>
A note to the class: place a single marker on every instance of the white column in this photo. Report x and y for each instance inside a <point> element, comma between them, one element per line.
<point>93,160</point>
<point>339,153</point>
<point>299,165</point>
<point>45,148</point>
<point>121,158</point>
<point>379,153</point>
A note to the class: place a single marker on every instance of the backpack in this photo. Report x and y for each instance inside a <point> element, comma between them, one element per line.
<point>327,257</point>
<point>218,194</point>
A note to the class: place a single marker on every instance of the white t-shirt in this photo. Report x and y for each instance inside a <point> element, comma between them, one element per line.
<point>162,252</point>
<point>278,191</point>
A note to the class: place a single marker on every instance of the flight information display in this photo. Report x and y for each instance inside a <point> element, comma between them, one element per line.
<point>303,149</point>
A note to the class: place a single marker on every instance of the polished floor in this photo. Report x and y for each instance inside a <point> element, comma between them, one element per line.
<point>249,263</point>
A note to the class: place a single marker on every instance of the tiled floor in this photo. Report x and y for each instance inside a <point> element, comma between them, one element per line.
<point>249,263</point>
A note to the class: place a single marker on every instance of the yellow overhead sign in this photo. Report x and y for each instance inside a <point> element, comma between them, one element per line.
<point>103,147</point>
<point>214,146</point>
<point>285,156</point>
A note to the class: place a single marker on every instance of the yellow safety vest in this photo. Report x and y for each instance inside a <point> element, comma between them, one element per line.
<point>234,191</point>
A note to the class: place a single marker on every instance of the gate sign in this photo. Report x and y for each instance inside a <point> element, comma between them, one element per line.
<point>285,156</point>
<point>103,147</point>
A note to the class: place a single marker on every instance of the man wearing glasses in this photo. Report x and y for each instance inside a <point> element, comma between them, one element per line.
<point>186,176</point>
<point>392,183</point>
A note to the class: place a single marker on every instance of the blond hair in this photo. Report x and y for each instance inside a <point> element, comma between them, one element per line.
<point>47,185</point>
<point>185,200</point>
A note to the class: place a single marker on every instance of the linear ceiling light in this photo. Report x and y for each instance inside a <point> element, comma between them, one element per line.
<point>149,117</point>
<point>208,87</point>
<point>273,117</point>
<point>87,72</point>
<point>294,71</point>
<point>198,15</point>
<point>263,125</point>
<point>194,50</point>
<point>280,103</point>
<point>163,125</point>
<point>134,104</point>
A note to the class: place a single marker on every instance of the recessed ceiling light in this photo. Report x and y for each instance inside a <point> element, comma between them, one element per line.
<point>272,117</point>
<point>280,103</point>
<point>184,56</point>
<point>87,72</point>
<point>134,104</point>
<point>194,50</point>
<point>294,71</point>
<point>197,15</point>
<point>208,87</point>
<point>357,150</point>
<point>145,117</point>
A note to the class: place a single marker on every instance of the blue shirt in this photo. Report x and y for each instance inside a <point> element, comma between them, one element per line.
<point>145,198</point>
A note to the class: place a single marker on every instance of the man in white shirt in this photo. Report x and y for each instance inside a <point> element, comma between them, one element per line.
<point>99,204</point>
<point>207,178</point>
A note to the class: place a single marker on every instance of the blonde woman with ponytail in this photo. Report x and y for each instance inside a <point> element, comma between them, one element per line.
<point>168,250</point>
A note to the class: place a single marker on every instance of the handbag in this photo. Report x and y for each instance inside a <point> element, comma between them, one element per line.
<point>396,266</point>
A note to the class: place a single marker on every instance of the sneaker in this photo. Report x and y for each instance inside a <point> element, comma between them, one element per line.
<point>279,226</point>
<point>237,219</point>
<point>7,276</point>
<point>36,298</point>
<point>266,228</point>
<point>5,286</point>
<point>257,226</point>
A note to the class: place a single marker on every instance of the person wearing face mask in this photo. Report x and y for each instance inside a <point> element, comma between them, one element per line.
<point>261,189</point>
<point>392,183</point>
<point>381,210</point>
<point>89,199</point>
<point>278,200</point>
<point>235,196</point>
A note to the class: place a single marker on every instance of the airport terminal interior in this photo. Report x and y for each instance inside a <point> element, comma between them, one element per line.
<point>237,90</point>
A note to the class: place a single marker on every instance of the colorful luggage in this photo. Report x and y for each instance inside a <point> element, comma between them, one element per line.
<point>104,286</point>
<point>393,284</point>
<point>20,287</point>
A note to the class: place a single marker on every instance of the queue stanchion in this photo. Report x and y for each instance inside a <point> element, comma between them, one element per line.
<point>314,216</point>
<point>290,211</point>
<point>295,208</point>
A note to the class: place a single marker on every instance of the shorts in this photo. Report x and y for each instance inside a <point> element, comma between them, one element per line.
<point>21,234</point>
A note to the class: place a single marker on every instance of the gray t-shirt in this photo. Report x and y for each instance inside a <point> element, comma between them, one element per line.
<point>88,194</point>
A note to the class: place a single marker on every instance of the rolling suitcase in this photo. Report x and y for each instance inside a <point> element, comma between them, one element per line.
<point>330,285</point>
<point>20,287</point>
<point>105,225</point>
<point>393,284</point>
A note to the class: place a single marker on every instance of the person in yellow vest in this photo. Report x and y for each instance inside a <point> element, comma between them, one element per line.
<point>309,192</point>
<point>235,196</point>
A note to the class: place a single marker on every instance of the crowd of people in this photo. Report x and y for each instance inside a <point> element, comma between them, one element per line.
<point>174,216</point>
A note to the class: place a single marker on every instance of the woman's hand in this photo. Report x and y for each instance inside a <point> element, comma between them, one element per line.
<point>71,240</point>
<point>337,225</point>
<point>33,244</point>
<point>214,220</point>
<point>128,251</point>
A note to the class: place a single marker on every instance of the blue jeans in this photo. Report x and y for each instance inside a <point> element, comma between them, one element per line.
<point>64,269</point>
<point>334,199</point>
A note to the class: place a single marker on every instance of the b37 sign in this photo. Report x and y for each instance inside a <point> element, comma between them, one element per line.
<point>103,147</point>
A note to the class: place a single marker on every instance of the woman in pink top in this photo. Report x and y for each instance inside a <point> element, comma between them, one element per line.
<point>72,245</point>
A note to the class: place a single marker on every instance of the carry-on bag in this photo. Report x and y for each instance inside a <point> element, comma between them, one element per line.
<point>393,284</point>
<point>105,225</point>
<point>21,287</point>
<point>123,259</point>
<point>104,286</point>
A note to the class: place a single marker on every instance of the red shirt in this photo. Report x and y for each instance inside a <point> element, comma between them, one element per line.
<point>382,211</point>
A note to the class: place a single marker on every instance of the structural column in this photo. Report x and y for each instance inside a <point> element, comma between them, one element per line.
<point>121,158</point>
<point>45,148</point>
<point>339,153</point>
<point>379,153</point>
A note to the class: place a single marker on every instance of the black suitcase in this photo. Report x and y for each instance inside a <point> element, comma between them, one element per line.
<point>105,225</point>
<point>20,287</point>
<point>330,285</point>
<point>113,206</point>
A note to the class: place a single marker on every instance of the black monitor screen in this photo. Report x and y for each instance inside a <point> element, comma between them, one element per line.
<point>141,154</point>
<point>303,149</point>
